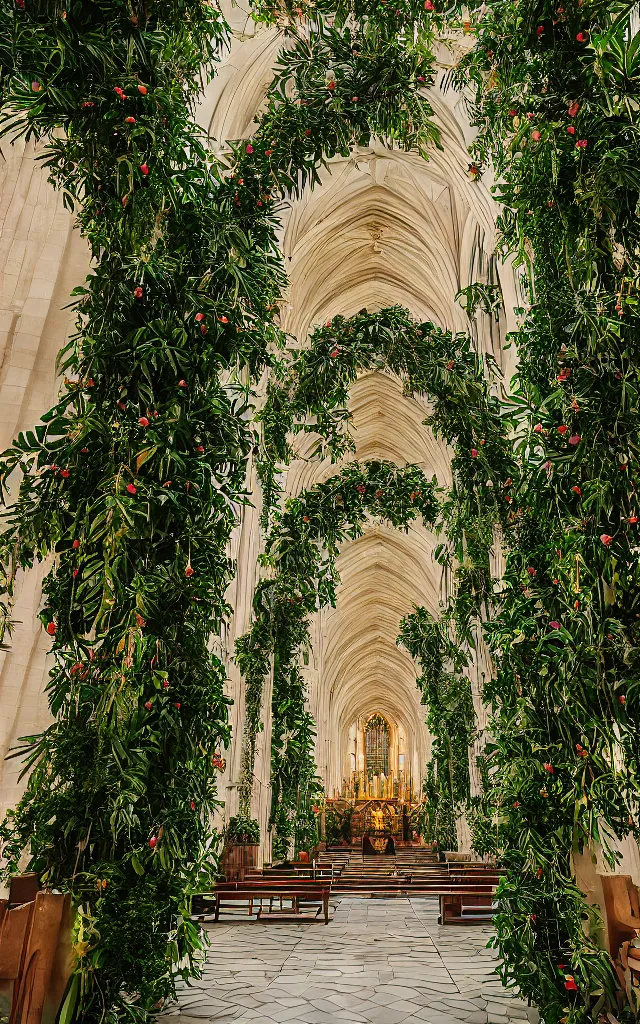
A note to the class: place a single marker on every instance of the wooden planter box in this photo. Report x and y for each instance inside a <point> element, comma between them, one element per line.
<point>238,858</point>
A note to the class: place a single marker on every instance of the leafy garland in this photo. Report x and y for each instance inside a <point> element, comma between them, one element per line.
<point>135,477</point>
<point>556,104</point>
<point>446,692</point>
<point>301,550</point>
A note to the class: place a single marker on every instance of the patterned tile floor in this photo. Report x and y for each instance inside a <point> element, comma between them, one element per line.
<point>377,962</point>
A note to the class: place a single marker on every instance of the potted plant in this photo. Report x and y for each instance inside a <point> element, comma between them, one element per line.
<point>241,847</point>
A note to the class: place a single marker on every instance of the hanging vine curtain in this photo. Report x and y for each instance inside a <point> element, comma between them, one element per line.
<point>376,737</point>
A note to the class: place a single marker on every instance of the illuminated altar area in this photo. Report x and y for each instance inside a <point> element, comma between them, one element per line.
<point>377,767</point>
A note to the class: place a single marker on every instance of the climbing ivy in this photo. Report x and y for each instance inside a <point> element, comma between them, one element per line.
<point>446,692</point>
<point>134,480</point>
<point>301,550</point>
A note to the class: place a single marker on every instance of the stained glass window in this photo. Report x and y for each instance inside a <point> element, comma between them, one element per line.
<point>376,745</point>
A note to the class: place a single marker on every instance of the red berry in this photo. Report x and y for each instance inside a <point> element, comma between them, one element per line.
<point>76,544</point>
<point>35,87</point>
<point>129,120</point>
<point>548,768</point>
<point>633,520</point>
<point>574,107</point>
<point>538,428</point>
<point>137,292</point>
<point>331,86</point>
<point>177,705</point>
<point>64,473</point>
<point>51,628</point>
<point>562,429</point>
<point>575,439</point>
<point>189,571</point>
<point>144,169</point>
<point>571,129</point>
<point>223,319</point>
<point>334,353</point>
<point>248,148</point>
<point>199,317</point>
<point>182,383</point>
<point>143,421</point>
<point>75,573</point>
<point>576,489</point>
<point>131,488</point>
<point>148,705</point>
<point>153,842</point>
<point>142,89</point>
<point>192,805</point>
<point>582,37</point>
<point>474,453</point>
<point>606,539</point>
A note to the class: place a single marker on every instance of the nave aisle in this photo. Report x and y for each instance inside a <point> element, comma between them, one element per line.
<point>377,962</point>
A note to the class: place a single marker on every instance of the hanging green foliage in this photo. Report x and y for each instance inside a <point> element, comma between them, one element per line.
<point>133,481</point>
<point>301,550</point>
<point>446,692</point>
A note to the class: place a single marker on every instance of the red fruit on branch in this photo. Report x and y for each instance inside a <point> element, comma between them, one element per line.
<point>248,148</point>
<point>622,698</point>
<point>143,421</point>
<point>76,544</point>
<point>576,489</point>
<point>182,383</point>
<point>331,86</point>
<point>129,120</point>
<point>118,91</point>
<point>570,984</point>
<point>148,705</point>
<point>204,329</point>
<point>223,319</point>
<point>189,571</point>
<point>575,439</point>
<point>153,842</point>
<point>633,520</point>
<point>429,6</point>
<point>137,292</point>
<point>308,131</point>
<point>540,30</point>
<point>571,129</point>
<point>131,488</point>
<point>574,107</point>
<point>538,429</point>
<point>192,805</point>
<point>582,143</point>
<point>35,87</point>
<point>144,169</point>
<point>361,488</point>
<point>513,113</point>
<point>548,767</point>
<point>64,473</point>
<point>554,624</point>
<point>51,628</point>
<point>199,317</point>
<point>75,573</point>
<point>142,89</point>
<point>474,453</point>
<point>562,429</point>
<point>177,705</point>
<point>606,539</point>
<point>334,353</point>
<point>451,364</point>
<point>582,37</point>
<point>167,483</point>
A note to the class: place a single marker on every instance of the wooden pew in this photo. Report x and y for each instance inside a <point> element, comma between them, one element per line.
<point>255,892</point>
<point>456,901</point>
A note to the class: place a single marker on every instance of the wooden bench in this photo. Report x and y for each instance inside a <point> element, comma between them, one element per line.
<point>300,892</point>
<point>454,903</point>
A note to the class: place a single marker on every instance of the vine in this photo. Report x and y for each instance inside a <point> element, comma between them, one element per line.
<point>133,480</point>
<point>301,550</point>
<point>446,692</point>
